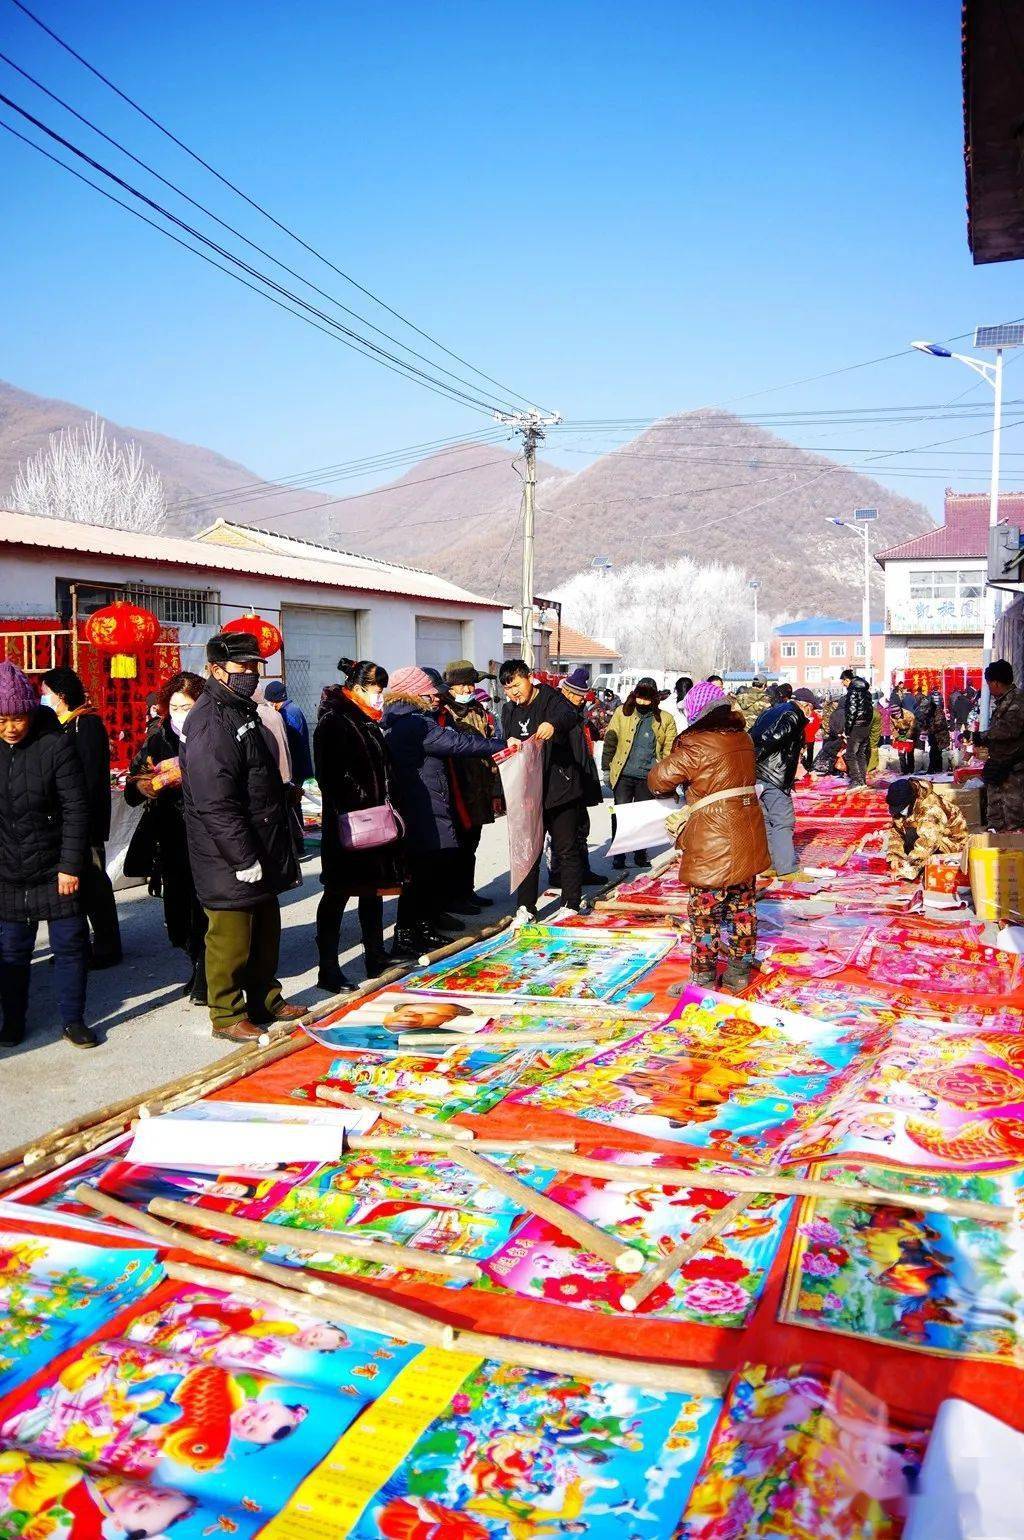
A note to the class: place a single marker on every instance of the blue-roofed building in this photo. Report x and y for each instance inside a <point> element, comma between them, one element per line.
<point>815,651</point>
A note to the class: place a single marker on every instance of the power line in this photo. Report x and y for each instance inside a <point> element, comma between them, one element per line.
<point>331,299</point>
<point>254,204</point>
<point>345,334</point>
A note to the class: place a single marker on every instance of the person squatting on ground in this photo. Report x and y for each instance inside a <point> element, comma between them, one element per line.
<point>536,710</point>
<point>476,784</point>
<point>858,714</point>
<point>722,845</point>
<point>1003,774</point>
<point>64,693</point>
<point>778,737</point>
<point>638,736</point>
<point>421,749</point>
<point>44,847</point>
<point>923,824</point>
<point>159,847</point>
<point>240,841</point>
<point>353,769</point>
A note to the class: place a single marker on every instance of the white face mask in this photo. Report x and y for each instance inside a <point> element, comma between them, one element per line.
<point>177,720</point>
<point>375,699</point>
<point>46,699</point>
<point>461,694</point>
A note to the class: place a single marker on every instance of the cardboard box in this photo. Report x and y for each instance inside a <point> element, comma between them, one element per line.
<point>966,798</point>
<point>995,863</point>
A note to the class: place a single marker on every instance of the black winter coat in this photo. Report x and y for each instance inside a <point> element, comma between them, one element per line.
<point>44,818</point>
<point>477,780</point>
<point>163,827</point>
<point>564,775</point>
<point>860,707</point>
<point>236,806</point>
<point>92,744</point>
<point>419,749</point>
<point>778,736</point>
<point>353,768</point>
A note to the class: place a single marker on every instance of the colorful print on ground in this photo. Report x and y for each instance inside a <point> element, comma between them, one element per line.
<point>55,1292</point>
<point>224,1436</point>
<point>236,1332</point>
<point>514,1453</point>
<point>56,1500</point>
<point>724,1074</point>
<point>806,1455</point>
<point>543,961</point>
<point>717,1287</point>
<point>928,1281</point>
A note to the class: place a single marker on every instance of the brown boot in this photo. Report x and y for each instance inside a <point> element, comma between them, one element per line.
<point>243,1031</point>
<point>290,1012</point>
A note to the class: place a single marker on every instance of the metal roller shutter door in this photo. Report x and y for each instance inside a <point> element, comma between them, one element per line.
<point>438,641</point>
<point>314,640</point>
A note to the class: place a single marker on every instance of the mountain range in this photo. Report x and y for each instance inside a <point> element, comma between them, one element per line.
<point>703,484</point>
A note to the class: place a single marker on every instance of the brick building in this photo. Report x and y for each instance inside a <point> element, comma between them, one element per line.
<point>815,651</point>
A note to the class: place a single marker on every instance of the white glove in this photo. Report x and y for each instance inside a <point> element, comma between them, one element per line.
<point>252,873</point>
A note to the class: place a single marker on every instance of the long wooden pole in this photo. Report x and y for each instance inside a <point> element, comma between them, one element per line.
<point>769,1182</point>
<point>329,1242</point>
<point>358,1308</point>
<point>670,1264</point>
<point>356,1142</point>
<point>442,1132</point>
<point>598,1242</point>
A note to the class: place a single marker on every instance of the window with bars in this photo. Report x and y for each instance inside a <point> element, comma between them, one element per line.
<point>171,606</point>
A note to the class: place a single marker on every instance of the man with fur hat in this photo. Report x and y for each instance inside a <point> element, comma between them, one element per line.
<point>240,843</point>
<point>638,736</point>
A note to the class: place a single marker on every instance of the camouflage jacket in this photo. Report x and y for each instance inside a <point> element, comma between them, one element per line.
<point>1005,736</point>
<point>750,704</point>
<point>939,826</point>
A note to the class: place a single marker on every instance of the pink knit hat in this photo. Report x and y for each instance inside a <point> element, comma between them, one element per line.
<point>411,681</point>
<point>17,697</point>
<point>701,699</point>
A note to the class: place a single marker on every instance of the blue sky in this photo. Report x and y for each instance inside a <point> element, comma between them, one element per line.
<point>618,211</point>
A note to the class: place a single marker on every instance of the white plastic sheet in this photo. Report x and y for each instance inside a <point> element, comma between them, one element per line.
<point>522,781</point>
<point>641,825</point>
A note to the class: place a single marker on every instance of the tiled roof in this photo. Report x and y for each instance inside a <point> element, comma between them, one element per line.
<point>573,644</point>
<point>309,563</point>
<point>965,532</point>
<point>825,625</point>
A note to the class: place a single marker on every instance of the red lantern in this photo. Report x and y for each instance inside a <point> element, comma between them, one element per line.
<point>268,637</point>
<point>123,630</point>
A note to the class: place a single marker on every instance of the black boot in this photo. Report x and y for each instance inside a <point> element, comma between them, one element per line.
<point>406,946</point>
<point>331,978</point>
<point>445,922</point>
<point>619,863</point>
<point>485,903</point>
<point>640,859</point>
<point>376,962</point>
<point>14,979</point>
<point>197,983</point>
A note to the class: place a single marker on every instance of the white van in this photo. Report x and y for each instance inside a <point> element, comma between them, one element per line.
<point>626,680</point>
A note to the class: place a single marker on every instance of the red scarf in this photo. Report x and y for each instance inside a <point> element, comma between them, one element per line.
<point>373,712</point>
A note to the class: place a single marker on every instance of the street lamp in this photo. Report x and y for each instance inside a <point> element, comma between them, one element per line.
<point>755,647</point>
<point>862,518</point>
<point>999,338</point>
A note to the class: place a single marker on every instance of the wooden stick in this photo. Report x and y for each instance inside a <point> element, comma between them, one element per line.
<point>682,1253</point>
<point>289,1238</point>
<point>361,1309</point>
<point>469,937</point>
<point>608,1247</point>
<point>506,1350</point>
<point>769,1182</point>
<point>356,1142</point>
<point>442,1132</point>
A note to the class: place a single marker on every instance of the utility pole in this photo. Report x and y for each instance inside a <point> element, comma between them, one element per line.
<point>530,426</point>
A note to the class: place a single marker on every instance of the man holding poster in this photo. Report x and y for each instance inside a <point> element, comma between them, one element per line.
<point>534,710</point>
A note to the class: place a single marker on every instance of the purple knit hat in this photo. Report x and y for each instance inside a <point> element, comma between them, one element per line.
<point>701,699</point>
<point>411,681</point>
<point>17,697</point>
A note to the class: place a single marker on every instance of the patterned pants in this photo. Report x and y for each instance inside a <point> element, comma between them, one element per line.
<point>711,908</point>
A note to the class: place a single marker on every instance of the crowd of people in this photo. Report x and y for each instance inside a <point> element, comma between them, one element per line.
<point>406,766</point>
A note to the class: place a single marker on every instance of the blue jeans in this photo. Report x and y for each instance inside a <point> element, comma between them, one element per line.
<point>69,941</point>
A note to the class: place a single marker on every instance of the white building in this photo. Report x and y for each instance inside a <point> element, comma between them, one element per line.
<point>326,603</point>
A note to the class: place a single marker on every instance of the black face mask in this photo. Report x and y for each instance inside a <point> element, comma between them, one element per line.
<point>243,684</point>
<point>645,705</point>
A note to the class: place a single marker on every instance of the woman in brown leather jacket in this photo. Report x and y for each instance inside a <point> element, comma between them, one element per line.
<point>722,845</point>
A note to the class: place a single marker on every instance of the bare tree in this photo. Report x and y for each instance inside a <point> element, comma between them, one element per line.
<point>681,616</point>
<point>85,477</point>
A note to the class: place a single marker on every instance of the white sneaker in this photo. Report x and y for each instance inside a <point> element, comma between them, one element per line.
<point>523,916</point>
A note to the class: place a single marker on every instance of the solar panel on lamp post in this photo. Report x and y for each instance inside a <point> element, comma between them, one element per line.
<point>1000,338</point>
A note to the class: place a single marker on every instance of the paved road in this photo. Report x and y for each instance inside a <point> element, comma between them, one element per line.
<point>149,1032</point>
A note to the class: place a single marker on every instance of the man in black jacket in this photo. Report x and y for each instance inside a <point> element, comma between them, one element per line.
<point>536,710</point>
<point>64,693</point>
<point>860,709</point>
<point>240,844</point>
<point>778,736</point>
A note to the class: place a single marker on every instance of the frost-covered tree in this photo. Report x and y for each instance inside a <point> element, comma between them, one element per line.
<point>680,616</point>
<point>85,477</point>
